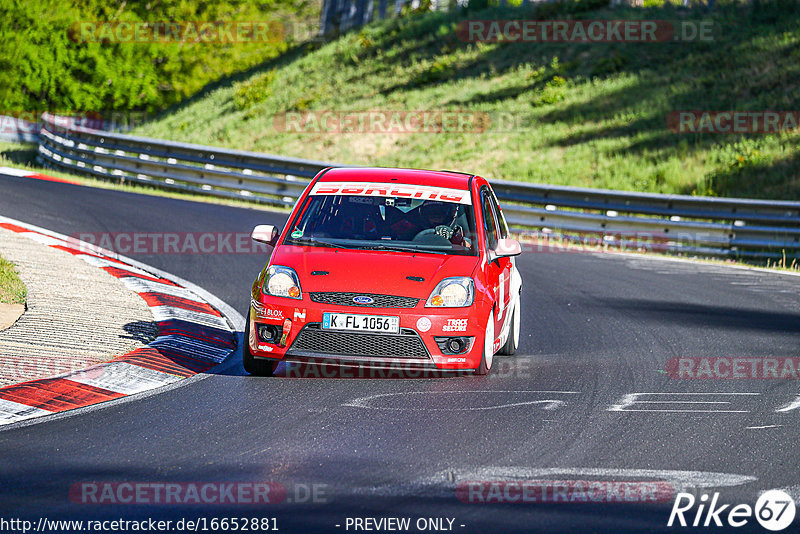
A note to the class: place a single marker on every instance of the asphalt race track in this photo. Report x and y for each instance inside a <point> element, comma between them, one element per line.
<point>596,329</point>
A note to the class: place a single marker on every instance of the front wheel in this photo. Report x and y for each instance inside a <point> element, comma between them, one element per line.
<point>512,343</point>
<point>252,365</point>
<point>488,348</point>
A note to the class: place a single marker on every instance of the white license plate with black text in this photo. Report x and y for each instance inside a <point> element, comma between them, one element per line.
<point>361,323</point>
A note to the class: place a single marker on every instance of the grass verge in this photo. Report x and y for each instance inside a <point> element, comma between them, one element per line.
<point>12,290</point>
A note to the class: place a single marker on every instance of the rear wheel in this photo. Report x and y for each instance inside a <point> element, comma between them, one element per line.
<point>488,347</point>
<point>252,365</point>
<point>510,348</point>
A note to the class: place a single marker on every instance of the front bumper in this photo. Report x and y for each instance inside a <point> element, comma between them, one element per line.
<point>419,344</point>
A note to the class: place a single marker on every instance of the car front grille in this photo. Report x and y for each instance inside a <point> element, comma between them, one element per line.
<point>316,342</point>
<point>379,301</point>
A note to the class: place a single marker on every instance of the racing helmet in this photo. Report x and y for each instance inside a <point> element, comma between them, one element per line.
<point>438,212</point>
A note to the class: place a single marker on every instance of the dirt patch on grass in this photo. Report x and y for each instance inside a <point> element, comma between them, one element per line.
<point>9,313</point>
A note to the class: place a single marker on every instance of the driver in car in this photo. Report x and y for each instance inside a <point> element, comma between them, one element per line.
<point>440,218</point>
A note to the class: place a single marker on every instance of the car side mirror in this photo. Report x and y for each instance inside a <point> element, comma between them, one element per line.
<point>265,233</point>
<point>507,248</point>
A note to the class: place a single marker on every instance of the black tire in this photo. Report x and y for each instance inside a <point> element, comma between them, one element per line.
<point>486,362</point>
<point>257,367</point>
<point>512,343</point>
<point>482,370</point>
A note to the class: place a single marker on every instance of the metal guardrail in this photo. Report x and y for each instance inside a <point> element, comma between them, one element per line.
<point>708,226</point>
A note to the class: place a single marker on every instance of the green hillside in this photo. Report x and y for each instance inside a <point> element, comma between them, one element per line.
<point>587,114</point>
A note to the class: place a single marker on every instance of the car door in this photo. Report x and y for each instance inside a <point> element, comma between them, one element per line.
<point>498,270</point>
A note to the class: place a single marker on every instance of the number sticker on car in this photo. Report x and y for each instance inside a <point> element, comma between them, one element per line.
<point>363,323</point>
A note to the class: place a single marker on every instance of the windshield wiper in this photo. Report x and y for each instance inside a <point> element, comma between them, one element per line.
<point>310,241</point>
<point>405,249</point>
<point>393,248</point>
<point>326,243</point>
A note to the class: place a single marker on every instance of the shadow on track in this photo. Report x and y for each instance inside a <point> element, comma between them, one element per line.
<point>707,315</point>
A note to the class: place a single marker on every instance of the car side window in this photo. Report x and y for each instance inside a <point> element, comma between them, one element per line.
<point>489,220</point>
<point>501,219</point>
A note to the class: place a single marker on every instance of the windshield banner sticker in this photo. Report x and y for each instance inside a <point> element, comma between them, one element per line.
<point>392,190</point>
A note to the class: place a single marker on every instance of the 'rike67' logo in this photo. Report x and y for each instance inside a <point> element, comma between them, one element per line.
<point>774,510</point>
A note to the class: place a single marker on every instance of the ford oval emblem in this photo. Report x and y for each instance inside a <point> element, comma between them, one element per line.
<point>361,299</point>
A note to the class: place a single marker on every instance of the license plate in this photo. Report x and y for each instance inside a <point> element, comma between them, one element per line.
<point>362,323</point>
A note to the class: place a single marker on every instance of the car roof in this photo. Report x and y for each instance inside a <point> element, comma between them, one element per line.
<point>453,180</point>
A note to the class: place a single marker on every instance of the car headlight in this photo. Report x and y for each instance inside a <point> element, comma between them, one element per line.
<point>455,292</point>
<point>282,282</point>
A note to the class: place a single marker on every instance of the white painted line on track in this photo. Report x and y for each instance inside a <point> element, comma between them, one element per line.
<point>793,405</point>
<point>688,478</point>
<point>632,399</point>
<point>550,404</point>
<point>444,483</point>
<point>686,411</point>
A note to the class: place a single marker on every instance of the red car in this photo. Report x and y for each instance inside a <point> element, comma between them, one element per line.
<point>387,267</point>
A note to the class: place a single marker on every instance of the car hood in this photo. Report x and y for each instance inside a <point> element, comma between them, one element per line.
<point>367,271</point>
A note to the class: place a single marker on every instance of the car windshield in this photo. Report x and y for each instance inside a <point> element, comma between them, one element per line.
<point>394,223</point>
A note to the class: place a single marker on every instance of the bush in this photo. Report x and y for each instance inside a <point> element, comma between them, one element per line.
<point>554,90</point>
<point>439,69</point>
<point>254,91</point>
